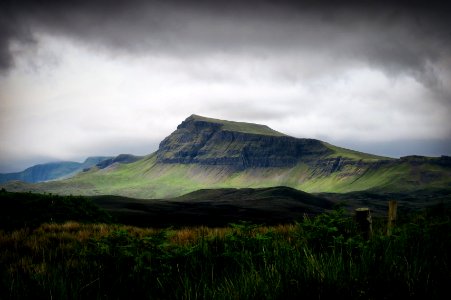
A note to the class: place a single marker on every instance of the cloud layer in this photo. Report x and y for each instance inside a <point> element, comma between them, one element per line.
<point>104,77</point>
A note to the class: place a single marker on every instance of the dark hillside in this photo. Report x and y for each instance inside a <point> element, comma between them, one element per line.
<point>216,207</point>
<point>18,210</point>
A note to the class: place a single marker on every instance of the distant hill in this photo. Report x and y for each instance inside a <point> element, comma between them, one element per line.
<point>52,170</point>
<point>205,153</point>
<point>121,158</point>
<point>66,169</point>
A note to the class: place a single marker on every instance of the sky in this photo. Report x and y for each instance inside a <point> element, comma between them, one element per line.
<point>86,78</point>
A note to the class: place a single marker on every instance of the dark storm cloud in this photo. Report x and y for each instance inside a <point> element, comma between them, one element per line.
<point>396,36</point>
<point>296,39</point>
<point>364,70</point>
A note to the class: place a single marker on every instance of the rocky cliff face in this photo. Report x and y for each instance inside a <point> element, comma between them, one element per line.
<point>206,142</point>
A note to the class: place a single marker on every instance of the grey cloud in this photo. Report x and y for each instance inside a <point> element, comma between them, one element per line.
<point>394,37</point>
<point>246,110</point>
<point>238,45</point>
<point>16,164</point>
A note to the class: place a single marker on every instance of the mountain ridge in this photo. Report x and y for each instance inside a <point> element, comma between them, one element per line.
<point>207,141</point>
<point>51,170</point>
<point>210,153</point>
<point>226,125</point>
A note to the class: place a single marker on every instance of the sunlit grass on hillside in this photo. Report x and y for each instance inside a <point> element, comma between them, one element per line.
<point>241,126</point>
<point>175,180</point>
<point>321,257</point>
<point>352,154</point>
<point>147,179</point>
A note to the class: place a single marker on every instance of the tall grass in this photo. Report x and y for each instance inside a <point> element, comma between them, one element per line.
<point>321,257</point>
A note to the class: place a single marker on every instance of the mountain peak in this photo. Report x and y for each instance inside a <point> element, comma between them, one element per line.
<point>92,160</point>
<point>239,145</point>
<point>200,122</point>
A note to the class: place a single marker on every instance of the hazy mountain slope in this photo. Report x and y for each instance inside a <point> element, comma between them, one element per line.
<point>52,170</point>
<point>209,153</point>
<point>121,158</point>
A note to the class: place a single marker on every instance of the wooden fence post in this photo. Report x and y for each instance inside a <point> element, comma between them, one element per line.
<point>392,208</point>
<point>364,221</point>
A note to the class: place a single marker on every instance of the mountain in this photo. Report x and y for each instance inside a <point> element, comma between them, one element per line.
<point>210,153</point>
<point>121,158</point>
<point>52,170</point>
<point>240,146</point>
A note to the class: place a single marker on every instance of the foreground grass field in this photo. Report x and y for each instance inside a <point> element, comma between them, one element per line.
<point>318,257</point>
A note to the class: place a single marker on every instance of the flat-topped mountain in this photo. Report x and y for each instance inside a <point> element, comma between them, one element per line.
<point>205,141</point>
<point>210,153</point>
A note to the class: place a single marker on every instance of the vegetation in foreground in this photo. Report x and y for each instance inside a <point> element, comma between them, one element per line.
<point>320,257</point>
<point>29,210</point>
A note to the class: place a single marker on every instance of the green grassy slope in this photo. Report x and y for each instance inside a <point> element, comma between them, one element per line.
<point>352,154</point>
<point>318,166</point>
<point>240,126</point>
<point>147,179</point>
